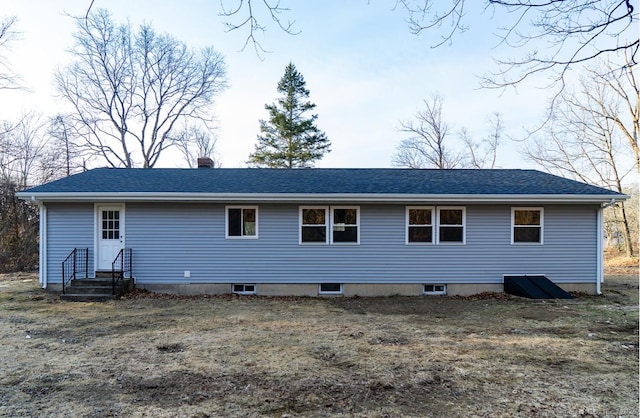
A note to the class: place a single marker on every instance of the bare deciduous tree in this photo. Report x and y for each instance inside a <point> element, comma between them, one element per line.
<point>428,145</point>
<point>22,149</point>
<point>555,35</point>
<point>250,16</point>
<point>196,141</point>
<point>18,230</point>
<point>8,79</point>
<point>614,218</point>
<point>483,153</point>
<point>584,138</point>
<point>29,156</point>
<point>64,145</point>
<point>624,112</point>
<point>129,89</point>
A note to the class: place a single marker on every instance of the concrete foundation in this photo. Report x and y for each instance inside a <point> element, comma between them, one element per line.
<point>188,288</point>
<point>473,289</point>
<point>288,289</point>
<point>365,289</point>
<point>588,288</point>
<point>349,289</point>
<point>268,289</point>
<point>55,287</point>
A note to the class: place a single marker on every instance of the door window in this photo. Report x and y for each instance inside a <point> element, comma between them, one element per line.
<point>110,224</point>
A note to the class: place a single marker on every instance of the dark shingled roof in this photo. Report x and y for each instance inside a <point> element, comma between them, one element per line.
<point>319,181</point>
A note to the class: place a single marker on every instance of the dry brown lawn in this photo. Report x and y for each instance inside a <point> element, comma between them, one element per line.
<point>287,357</point>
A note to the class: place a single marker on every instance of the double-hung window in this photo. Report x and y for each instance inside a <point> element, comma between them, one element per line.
<point>419,225</point>
<point>242,221</point>
<point>345,223</point>
<point>329,225</point>
<point>526,225</point>
<point>451,225</point>
<point>313,224</point>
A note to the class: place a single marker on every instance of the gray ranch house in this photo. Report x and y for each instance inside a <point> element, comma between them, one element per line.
<point>323,231</point>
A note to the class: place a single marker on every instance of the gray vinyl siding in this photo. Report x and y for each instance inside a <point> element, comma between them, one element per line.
<point>168,239</point>
<point>69,226</point>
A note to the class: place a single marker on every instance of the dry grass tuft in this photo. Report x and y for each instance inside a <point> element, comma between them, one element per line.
<point>622,261</point>
<point>616,263</point>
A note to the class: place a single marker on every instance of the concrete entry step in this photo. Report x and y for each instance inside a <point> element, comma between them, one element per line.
<point>95,290</point>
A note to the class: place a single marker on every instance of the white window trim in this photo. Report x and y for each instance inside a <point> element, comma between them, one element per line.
<point>433,226</point>
<point>226,222</point>
<point>331,225</point>
<point>513,225</point>
<point>326,225</point>
<point>464,225</point>
<point>339,292</point>
<point>244,292</point>
<point>434,292</point>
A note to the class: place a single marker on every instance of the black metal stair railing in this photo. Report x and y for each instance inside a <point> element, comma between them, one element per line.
<point>76,263</point>
<point>122,267</point>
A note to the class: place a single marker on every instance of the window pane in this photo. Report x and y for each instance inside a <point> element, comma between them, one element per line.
<point>420,233</point>
<point>235,222</point>
<point>527,217</point>
<point>451,217</point>
<point>330,287</point>
<point>450,234</point>
<point>249,222</point>
<point>419,217</point>
<point>249,215</point>
<point>314,234</point>
<point>344,216</point>
<point>313,216</point>
<point>526,234</point>
<point>346,234</point>
<point>249,229</point>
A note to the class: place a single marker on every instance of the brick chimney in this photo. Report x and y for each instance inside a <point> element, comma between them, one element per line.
<point>205,162</point>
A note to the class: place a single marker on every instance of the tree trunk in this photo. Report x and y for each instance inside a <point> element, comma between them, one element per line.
<point>626,232</point>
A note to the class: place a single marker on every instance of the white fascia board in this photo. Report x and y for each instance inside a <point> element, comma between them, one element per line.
<point>315,197</point>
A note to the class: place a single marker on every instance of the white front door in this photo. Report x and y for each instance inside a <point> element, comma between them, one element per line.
<point>110,234</point>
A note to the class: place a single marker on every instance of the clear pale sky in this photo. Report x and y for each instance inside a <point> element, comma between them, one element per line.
<point>363,67</point>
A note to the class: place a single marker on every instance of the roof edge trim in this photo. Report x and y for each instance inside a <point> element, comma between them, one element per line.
<point>313,197</point>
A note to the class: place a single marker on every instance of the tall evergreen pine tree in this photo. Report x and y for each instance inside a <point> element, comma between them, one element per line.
<point>289,139</point>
